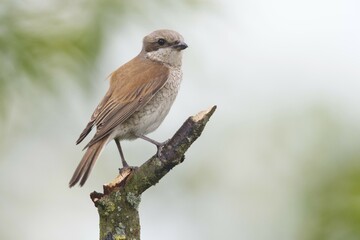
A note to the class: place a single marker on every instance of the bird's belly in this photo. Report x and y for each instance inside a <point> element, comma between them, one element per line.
<point>149,117</point>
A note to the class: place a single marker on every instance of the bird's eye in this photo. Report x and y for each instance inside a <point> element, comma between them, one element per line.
<point>161,41</point>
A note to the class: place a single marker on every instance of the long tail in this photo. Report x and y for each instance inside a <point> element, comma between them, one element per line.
<point>87,163</point>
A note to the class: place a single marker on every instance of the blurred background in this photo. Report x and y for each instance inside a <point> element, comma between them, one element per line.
<point>280,158</point>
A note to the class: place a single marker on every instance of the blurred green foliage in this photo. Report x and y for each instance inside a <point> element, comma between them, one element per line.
<point>331,182</point>
<point>334,204</point>
<point>44,43</point>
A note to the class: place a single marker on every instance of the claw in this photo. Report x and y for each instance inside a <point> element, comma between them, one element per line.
<point>160,147</point>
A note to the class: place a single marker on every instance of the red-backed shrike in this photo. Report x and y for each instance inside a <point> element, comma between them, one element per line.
<point>140,95</point>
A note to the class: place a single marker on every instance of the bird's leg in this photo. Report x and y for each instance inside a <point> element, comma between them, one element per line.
<point>124,163</point>
<point>159,145</point>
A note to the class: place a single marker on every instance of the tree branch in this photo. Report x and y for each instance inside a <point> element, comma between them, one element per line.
<point>117,206</point>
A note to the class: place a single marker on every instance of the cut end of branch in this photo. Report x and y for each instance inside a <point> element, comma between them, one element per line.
<point>204,115</point>
<point>117,182</point>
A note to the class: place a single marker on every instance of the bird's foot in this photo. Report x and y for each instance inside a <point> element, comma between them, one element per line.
<point>126,168</point>
<point>124,163</point>
<point>160,147</point>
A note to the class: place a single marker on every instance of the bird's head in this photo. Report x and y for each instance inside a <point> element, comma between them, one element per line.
<point>164,46</point>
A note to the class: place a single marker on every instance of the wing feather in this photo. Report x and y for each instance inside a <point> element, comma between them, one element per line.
<point>93,118</point>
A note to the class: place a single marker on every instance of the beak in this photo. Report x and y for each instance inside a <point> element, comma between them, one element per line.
<point>180,46</point>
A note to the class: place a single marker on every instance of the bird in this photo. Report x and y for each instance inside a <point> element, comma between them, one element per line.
<point>140,95</point>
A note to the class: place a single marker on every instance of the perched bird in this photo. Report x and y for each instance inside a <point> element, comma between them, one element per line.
<point>139,97</point>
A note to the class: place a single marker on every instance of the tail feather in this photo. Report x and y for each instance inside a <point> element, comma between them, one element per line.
<point>87,163</point>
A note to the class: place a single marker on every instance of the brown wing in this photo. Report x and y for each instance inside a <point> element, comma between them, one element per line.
<point>132,86</point>
<point>91,123</point>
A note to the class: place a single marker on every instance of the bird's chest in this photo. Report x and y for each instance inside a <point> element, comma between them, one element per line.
<point>166,96</point>
<point>153,113</point>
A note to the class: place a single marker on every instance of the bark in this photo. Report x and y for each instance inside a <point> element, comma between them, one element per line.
<point>118,205</point>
